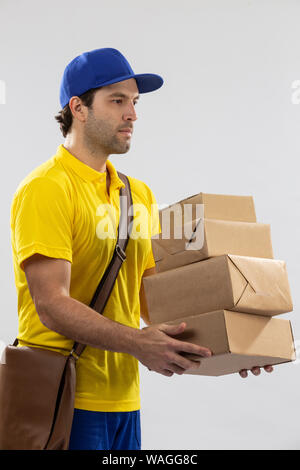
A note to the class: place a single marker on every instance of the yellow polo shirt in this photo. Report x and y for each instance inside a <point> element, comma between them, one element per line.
<point>62,210</point>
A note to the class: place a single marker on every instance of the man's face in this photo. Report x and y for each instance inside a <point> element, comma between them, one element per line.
<point>113,110</point>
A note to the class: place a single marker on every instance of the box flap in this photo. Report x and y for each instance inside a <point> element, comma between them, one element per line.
<point>268,284</point>
<point>294,355</point>
<point>239,282</point>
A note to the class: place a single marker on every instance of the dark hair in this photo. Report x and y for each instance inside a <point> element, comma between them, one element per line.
<point>65,117</point>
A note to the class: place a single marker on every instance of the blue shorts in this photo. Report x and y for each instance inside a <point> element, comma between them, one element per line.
<point>102,430</point>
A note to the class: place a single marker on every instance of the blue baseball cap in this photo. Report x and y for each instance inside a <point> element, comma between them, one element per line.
<point>98,68</point>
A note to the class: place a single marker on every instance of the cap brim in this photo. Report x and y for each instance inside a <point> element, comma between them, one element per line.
<point>146,82</point>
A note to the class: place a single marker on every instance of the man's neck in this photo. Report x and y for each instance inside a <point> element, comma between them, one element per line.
<point>76,148</point>
<point>86,157</point>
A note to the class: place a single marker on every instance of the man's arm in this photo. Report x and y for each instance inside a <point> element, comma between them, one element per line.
<point>49,285</point>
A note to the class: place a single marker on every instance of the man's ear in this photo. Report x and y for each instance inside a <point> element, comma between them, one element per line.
<point>78,109</point>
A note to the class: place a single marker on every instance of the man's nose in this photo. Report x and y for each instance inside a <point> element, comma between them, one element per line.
<point>130,113</point>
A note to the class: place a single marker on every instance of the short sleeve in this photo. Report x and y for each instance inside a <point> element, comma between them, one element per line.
<point>41,220</point>
<point>155,228</point>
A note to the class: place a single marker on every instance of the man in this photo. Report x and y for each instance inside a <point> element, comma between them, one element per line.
<point>61,249</point>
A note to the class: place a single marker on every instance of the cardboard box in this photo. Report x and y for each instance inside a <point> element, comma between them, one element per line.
<point>204,238</point>
<point>216,206</point>
<point>240,283</point>
<point>238,341</point>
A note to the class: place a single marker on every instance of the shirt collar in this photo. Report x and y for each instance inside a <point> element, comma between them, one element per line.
<point>87,172</point>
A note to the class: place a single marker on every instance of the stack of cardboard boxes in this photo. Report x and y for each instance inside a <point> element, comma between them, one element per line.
<point>216,272</point>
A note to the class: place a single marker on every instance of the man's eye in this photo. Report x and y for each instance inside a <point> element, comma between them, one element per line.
<point>136,102</point>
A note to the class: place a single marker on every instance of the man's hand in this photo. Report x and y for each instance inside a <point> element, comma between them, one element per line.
<point>160,352</point>
<point>255,371</point>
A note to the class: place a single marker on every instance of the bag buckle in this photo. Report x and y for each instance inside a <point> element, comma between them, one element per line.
<point>73,353</point>
<point>121,253</point>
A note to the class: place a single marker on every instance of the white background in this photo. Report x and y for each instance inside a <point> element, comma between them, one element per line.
<point>223,122</point>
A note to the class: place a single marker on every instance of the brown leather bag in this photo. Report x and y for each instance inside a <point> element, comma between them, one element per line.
<point>37,386</point>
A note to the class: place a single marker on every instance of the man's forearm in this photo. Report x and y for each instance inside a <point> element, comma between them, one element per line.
<point>153,346</point>
<point>79,322</point>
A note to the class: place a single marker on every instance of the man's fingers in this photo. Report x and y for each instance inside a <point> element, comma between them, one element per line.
<point>184,363</point>
<point>255,370</point>
<point>176,369</point>
<point>191,348</point>
<point>167,373</point>
<point>172,330</point>
<point>243,373</point>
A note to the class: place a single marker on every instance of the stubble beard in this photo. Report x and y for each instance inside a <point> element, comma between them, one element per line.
<point>100,136</point>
